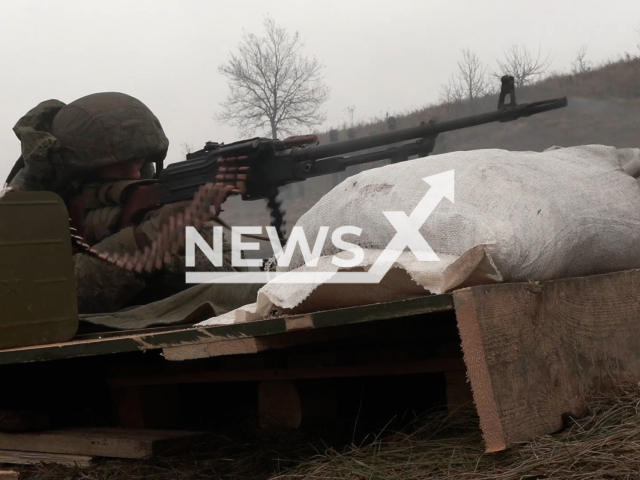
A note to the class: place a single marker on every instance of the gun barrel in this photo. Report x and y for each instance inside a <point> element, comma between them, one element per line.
<point>505,114</point>
<point>340,163</point>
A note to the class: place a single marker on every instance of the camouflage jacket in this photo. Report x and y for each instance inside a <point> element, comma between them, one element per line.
<point>103,287</point>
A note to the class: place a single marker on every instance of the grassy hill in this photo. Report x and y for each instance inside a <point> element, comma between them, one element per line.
<point>604,108</point>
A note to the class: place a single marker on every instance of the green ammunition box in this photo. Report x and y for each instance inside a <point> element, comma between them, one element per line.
<point>38,302</point>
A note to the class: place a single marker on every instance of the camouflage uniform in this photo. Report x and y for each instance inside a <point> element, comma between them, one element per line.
<point>63,146</point>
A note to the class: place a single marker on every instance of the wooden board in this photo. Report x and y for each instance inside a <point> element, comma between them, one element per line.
<point>98,442</point>
<point>405,368</point>
<point>536,351</point>
<point>244,346</point>
<point>181,337</point>
<point>147,407</point>
<point>33,458</point>
<point>9,475</point>
<point>279,404</point>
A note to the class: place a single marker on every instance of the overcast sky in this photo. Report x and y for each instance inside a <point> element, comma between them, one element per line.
<point>378,56</point>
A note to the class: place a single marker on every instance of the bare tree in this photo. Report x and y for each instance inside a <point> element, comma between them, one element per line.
<point>350,111</point>
<point>581,64</point>
<point>522,64</point>
<point>469,81</point>
<point>473,76</point>
<point>452,91</point>
<point>273,86</point>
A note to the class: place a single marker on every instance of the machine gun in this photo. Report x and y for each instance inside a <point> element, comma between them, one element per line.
<point>258,167</point>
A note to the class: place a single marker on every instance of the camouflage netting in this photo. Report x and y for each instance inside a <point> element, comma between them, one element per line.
<point>39,155</point>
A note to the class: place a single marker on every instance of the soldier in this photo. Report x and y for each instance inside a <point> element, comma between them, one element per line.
<point>85,148</point>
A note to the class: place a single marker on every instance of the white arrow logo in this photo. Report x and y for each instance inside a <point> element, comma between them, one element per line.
<point>408,227</point>
<point>407,236</point>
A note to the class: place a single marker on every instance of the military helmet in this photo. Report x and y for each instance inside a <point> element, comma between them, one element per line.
<point>107,128</point>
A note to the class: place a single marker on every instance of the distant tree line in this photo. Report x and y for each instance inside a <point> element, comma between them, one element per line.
<point>473,79</point>
<point>276,90</point>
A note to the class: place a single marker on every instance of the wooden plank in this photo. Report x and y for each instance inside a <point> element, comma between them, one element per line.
<point>33,458</point>
<point>417,366</point>
<point>155,406</point>
<point>98,442</point>
<point>279,405</point>
<point>243,346</point>
<point>184,336</point>
<point>536,351</point>
<point>477,368</point>
<point>9,475</point>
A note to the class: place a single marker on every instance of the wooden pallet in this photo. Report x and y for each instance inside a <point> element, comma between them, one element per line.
<point>188,343</point>
<point>532,351</point>
<point>535,351</point>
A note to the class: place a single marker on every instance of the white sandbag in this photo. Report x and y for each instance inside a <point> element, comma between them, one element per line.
<point>630,161</point>
<point>516,216</point>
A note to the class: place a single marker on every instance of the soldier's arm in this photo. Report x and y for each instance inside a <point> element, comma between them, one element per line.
<point>103,287</point>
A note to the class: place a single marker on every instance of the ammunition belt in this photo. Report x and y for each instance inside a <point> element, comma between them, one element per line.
<point>171,239</point>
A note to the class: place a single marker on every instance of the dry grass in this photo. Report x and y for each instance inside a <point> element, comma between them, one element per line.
<point>247,454</point>
<point>614,79</point>
<point>603,445</point>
